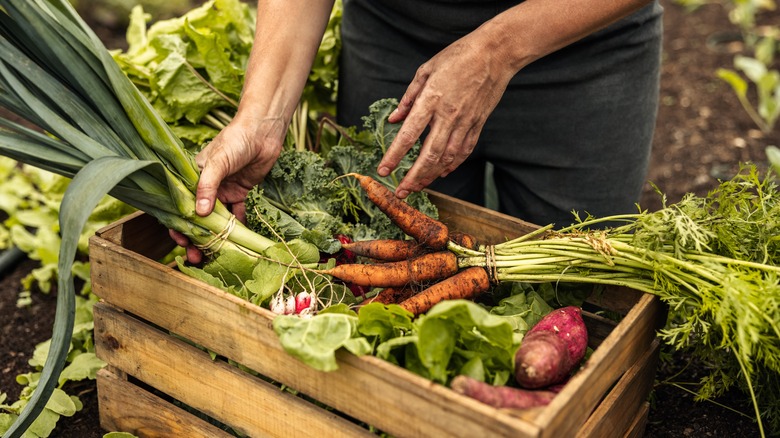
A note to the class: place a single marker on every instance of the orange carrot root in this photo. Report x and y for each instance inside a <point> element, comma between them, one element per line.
<point>422,227</point>
<point>466,284</point>
<point>388,250</point>
<point>426,267</point>
<point>501,396</point>
<point>392,295</point>
<point>464,239</point>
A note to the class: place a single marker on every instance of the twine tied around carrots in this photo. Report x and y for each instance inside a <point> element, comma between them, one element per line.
<point>490,263</point>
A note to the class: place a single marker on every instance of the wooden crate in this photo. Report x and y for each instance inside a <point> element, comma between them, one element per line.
<point>151,319</point>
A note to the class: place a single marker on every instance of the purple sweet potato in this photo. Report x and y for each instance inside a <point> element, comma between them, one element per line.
<point>551,349</point>
<point>501,396</point>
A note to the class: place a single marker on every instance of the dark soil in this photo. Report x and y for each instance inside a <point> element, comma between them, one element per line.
<point>702,135</point>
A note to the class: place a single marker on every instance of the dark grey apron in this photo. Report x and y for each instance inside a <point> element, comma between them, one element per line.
<point>573,131</point>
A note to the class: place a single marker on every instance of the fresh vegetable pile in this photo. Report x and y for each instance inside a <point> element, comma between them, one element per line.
<point>715,260</point>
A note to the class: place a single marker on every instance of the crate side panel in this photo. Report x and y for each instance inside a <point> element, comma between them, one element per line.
<point>188,307</point>
<point>222,391</point>
<point>627,343</point>
<point>124,407</point>
<point>377,392</point>
<point>140,233</point>
<point>618,299</point>
<point>619,409</point>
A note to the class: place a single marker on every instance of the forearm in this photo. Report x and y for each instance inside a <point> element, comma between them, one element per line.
<point>536,28</point>
<point>286,41</point>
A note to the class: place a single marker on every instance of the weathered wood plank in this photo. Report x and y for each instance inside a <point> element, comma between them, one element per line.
<point>637,428</point>
<point>223,392</point>
<point>623,404</point>
<point>124,407</point>
<point>489,226</point>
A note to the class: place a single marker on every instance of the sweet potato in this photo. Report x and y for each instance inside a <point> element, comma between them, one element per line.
<point>551,349</point>
<point>501,396</point>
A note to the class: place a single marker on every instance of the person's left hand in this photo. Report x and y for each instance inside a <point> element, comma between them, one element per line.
<point>453,93</point>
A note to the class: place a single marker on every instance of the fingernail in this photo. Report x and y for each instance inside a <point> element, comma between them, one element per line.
<point>403,194</point>
<point>203,206</point>
<point>383,171</point>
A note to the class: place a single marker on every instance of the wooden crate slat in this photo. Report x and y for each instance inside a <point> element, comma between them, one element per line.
<point>623,404</point>
<point>124,407</point>
<point>637,428</point>
<point>221,391</point>
<point>489,226</point>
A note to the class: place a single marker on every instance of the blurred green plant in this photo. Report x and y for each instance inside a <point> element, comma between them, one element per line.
<point>765,80</point>
<point>773,155</point>
<point>741,13</point>
<point>116,12</point>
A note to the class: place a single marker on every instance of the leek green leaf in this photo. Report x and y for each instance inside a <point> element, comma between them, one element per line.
<point>87,189</point>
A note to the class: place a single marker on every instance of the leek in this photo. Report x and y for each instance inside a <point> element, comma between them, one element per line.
<point>93,126</point>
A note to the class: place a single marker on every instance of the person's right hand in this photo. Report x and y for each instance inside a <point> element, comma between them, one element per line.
<point>236,160</point>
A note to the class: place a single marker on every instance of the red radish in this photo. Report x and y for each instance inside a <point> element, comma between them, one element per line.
<point>551,349</point>
<point>302,301</point>
<point>501,396</point>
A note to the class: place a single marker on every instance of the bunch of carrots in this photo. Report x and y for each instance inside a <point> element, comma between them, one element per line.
<point>418,273</point>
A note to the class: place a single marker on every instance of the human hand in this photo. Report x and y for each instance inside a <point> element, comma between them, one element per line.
<point>453,94</point>
<point>236,160</point>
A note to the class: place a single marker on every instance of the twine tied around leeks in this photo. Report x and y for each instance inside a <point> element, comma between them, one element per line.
<point>214,245</point>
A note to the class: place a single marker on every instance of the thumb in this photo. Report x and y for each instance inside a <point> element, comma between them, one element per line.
<point>206,193</point>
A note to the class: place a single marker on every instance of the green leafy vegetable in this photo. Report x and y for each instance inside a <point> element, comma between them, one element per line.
<point>453,336</point>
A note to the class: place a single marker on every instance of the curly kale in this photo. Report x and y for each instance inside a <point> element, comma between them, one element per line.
<point>304,195</point>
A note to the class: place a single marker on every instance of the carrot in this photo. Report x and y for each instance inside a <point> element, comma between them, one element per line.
<point>387,250</point>
<point>413,222</point>
<point>419,269</point>
<point>466,284</point>
<point>501,396</point>
<point>551,349</point>
<point>392,295</point>
<point>463,239</point>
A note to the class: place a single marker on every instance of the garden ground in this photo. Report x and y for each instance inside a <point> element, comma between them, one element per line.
<point>702,134</point>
